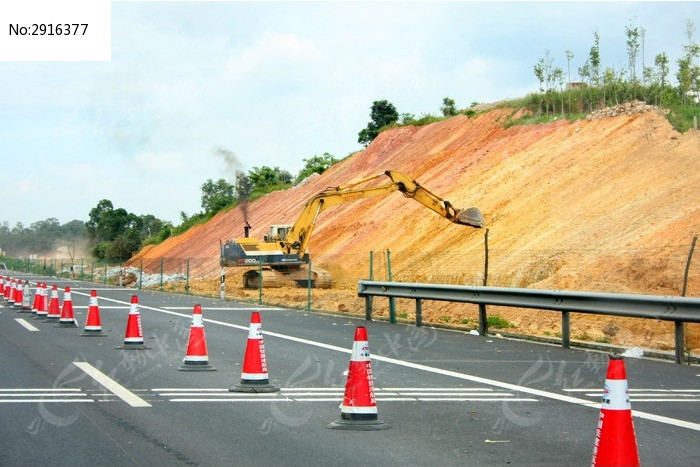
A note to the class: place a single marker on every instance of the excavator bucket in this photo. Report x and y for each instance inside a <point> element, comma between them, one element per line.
<point>471,217</point>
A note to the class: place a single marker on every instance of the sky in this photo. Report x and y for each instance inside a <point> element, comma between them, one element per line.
<point>274,83</point>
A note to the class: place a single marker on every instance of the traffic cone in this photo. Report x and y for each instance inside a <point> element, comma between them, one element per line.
<point>254,376</point>
<point>26,299</point>
<point>133,337</point>
<point>359,409</point>
<point>42,310</point>
<point>196,358</point>
<point>93,325</point>
<point>54,309</point>
<point>67,319</point>
<point>615,442</point>
<point>19,294</point>
<point>37,294</point>
<point>2,287</point>
<point>10,295</point>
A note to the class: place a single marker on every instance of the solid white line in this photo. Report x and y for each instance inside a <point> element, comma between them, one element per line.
<point>642,394</point>
<point>44,394</point>
<point>26,325</point>
<point>454,374</point>
<point>632,399</point>
<point>218,394</point>
<point>85,307</point>
<point>473,399</point>
<point>40,390</point>
<point>189,389</point>
<point>436,389</point>
<point>230,400</point>
<point>6,401</point>
<point>319,399</point>
<point>111,385</point>
<point>637,390</point>
<point>260,308</point>
<point>456,394</point>
<point>315,389</point>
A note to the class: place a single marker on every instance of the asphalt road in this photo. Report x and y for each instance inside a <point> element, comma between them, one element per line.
<point>450,398</point>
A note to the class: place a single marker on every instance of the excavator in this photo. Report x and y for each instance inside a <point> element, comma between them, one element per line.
<point>282,255</point>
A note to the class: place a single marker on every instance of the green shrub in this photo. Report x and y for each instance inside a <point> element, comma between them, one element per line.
<point>496,321</point>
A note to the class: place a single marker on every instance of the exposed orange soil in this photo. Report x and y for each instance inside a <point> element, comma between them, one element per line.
<point>606,205</point>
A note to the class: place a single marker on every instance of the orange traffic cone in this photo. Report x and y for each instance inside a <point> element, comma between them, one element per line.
<point>54,308</point>
<point>254,376</point>
<point>19,294</point>
<point>196,358</point>
<point>615,442</point>
<point>2,287</point>
<point>93,324</point>
<point>10,295</point>
<point>37,294</point>
<point>133,337</point>
<point>359,409</point>
<point>67,319</point>
<point>26,299</point>
<point>42,309</point>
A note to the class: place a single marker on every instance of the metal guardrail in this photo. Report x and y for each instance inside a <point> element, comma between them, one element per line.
<point>680,310</point>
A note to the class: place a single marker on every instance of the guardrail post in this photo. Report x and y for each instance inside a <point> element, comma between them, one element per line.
<point>565,329</point>
<point>679,340</point>
<point>162,261</point>
<point>419,312</point>
<point>483,323</point>
<point>260,283</point>
<point>222,284</point>
<point>370,298</point>
<point>141,274</point>
<point>308,290</point>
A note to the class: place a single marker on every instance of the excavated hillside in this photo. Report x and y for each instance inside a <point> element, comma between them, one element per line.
<point>608,205</point>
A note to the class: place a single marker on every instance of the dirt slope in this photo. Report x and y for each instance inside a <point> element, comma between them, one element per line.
<point>602,205</point>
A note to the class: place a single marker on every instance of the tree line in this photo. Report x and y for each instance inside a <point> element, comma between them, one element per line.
<point>595,85</point>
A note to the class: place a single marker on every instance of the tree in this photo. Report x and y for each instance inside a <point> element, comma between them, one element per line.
<point>216,195</point>
<point>661,62</point>
<point>569,57</point>
<point>263,178</point>
<point>594,59</point>
<point>448,107</point>
<point>688,71</point>
<point>243,186</point>
<point>538,69</point>
<point>316,164</point>
<point>383,113</point>
<point>632,52</point>
<point>96,214</point>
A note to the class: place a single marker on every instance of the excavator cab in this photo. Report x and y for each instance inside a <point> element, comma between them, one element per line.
<point>278,232</point>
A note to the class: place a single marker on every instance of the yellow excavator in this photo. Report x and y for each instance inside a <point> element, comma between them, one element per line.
<point>282,254</point>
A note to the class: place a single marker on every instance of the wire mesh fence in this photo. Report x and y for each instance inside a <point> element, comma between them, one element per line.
<point>659,271</point>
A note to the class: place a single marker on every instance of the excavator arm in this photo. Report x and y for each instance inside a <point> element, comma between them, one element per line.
<point>298,237</point>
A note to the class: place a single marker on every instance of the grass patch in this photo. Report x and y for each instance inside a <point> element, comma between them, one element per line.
<point>496,321</point>
<point>466,321</point>
<point>403,315</point>
<point>603,340</point>
<point>445,319</point>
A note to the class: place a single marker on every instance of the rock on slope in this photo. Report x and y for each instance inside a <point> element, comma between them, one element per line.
<point>603,205</point>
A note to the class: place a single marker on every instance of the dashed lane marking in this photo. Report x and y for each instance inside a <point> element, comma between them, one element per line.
<point>26,325</point>
<point>111,385</point>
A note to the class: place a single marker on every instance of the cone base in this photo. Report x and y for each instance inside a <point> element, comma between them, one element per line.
<point>93,334</point>
<point>358,425</point>
<point>66,325</point>
<point>127,346</point>
<point>197,366</point>
<point>254,387</point>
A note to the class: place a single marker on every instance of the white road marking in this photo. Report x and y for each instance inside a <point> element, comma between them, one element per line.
<point>6,401</point>
<point>450,373</point>
<point>85,307</point>
<point>632,399</point>
<point>473,399</point>
<point>259,308</point>
<point>26,325</point>
<point>39,390</point>
<point>111,385</point>
<point>43,394</point>
<point>638,390</point>
<point>230,400</point>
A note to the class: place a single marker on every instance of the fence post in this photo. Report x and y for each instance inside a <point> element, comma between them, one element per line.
<point>121,273</point>
<point>187,278</point>
<point>141,274</point>
<point>483,320</point>
<point>679,331</point>
<point>392,300</point>
<point>104,279</point>
<point>162,260</point>
<point>308,290</point>
<point>260,283</point>
<point>565,329</point>
<point>92,271</point>
<point>82,269</point>
<point>222,284</point>
<point>370,299</point>
<point>419,312</point>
